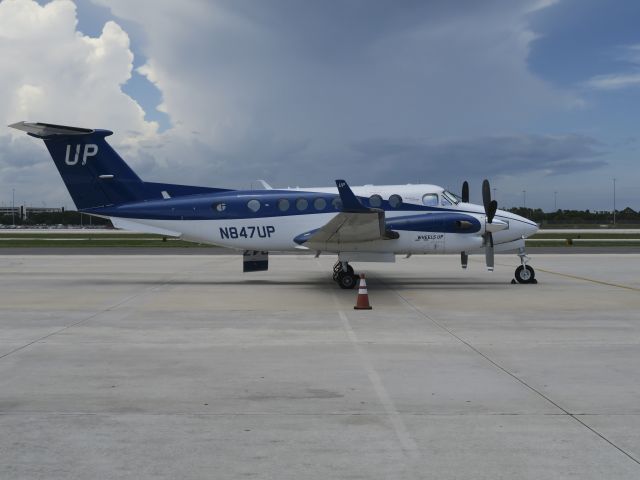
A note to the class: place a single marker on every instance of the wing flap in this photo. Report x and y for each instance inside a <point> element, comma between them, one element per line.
<point>347,228</point>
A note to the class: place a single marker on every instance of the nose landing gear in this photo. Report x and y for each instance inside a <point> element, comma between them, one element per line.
<point>525,273</point>
<point>344,275</point>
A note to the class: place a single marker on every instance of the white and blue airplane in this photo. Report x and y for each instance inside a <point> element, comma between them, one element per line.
<point>370,223</point>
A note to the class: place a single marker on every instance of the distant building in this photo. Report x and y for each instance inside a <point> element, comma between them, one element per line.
<point>10,211</point>
<point>31,210</point>
<point>23,212</point>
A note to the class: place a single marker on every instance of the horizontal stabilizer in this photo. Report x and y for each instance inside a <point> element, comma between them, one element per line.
<point>46,130</point>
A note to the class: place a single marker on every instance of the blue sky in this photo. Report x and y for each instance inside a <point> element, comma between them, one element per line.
<point>537,96</point>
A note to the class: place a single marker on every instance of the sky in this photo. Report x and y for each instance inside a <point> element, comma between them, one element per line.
<point>538,96</point>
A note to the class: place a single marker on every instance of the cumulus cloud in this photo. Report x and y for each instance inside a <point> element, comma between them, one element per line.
<point>330,70</point>
<point>52,73</point>
<point>277,88</point>
<point>287,90</point>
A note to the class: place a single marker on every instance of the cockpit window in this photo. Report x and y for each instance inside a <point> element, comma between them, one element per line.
<point>430,200</point>
<point>452,197</point>
<point>445,201</point>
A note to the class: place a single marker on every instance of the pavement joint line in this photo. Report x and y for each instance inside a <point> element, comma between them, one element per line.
<point>577,277</point>
<point>512,375</point>
<point>409,447</point>
<point>600,282</point>
<point>96,314</point>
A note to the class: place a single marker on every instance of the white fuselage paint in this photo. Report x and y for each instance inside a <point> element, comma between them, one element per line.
<point>258,235</point>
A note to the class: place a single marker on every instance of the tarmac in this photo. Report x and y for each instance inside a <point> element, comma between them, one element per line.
<point>180,366</point>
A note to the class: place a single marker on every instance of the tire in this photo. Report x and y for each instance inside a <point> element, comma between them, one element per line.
<point>347,281</point>
<point>525,274</point>
<point>336,274</point>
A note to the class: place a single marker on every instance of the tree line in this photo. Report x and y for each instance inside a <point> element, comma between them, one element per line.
<point>628,216</point>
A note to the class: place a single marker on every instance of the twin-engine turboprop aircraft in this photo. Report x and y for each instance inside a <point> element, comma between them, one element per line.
<point>359,224</point>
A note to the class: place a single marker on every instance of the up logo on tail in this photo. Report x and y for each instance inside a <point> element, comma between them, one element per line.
<point>87,149</point>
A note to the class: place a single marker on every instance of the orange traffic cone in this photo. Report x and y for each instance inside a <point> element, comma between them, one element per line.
<point>363,296</point>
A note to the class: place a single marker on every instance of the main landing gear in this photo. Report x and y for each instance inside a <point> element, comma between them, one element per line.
<point>344,275</point>
<point>524,273</point>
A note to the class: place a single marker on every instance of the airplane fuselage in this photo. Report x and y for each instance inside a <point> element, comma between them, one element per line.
<point>233,219</point>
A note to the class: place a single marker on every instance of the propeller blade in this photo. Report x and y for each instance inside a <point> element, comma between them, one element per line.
<point>490,206</point>
<point>465,191</point>
<point>488,252</point>
<point>464,259</point>
<point>493,207</point>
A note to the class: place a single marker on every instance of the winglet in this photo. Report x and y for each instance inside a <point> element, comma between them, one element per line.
<point>350,202</point>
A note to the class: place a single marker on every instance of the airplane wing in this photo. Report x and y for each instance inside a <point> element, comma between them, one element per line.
<point>355,223</point>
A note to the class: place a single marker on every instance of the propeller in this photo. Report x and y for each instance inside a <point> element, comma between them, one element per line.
<point>465,191</point>
<point>490,208</point>
<point>464,257</point>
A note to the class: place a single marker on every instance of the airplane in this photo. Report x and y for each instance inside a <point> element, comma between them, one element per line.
<point>369,223</point>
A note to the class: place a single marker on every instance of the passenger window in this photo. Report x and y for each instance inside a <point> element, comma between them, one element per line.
<point>375,201</point>
<point>337,203</point>
<point>430,200</point>
<point>302,204</point>
<point>319,203</point>
<point>395,201</point>
<point>283,204</point>
<point>253,205</point>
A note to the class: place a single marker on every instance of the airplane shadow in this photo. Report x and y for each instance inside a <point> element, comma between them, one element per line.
<point>324,282</point>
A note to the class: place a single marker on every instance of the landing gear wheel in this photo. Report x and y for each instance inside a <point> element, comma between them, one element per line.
<point>347,280</point>
<point>525,274</point>
<point>337,270</point>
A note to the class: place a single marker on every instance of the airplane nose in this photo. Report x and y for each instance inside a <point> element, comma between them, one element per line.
<point>532,228</point>
<point>528,227</point>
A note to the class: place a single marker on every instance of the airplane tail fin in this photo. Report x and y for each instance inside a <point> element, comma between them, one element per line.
<point>93,172</point>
